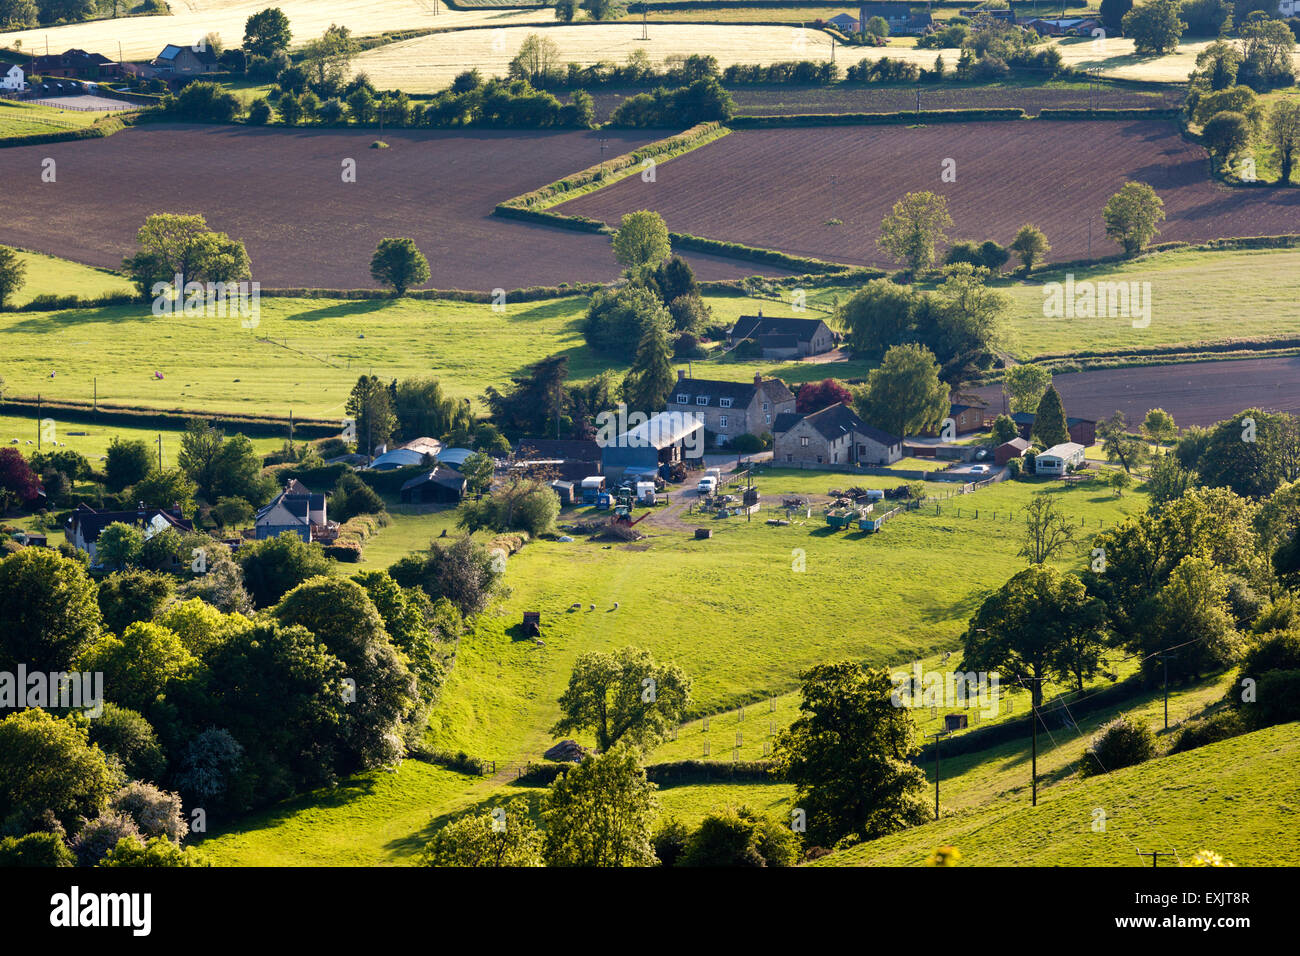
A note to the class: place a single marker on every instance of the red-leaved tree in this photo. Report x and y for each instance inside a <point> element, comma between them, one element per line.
<point>18,483</point>
<point>815,396</point>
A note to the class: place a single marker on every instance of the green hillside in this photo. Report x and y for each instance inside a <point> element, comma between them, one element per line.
<point>1238,798</point>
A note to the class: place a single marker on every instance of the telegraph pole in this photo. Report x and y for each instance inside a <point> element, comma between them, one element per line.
<point>1155,856</point>
<point>1164,660</point>
<point>1033,723</point>
<point>937,735</point>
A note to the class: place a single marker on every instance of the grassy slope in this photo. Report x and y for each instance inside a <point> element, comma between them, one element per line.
<point>1237,798</point>
<point>23,119</point>
<point>47,275</point>
<point>729,610</point>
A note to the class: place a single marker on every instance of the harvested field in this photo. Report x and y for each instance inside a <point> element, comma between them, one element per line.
<point>430,63</point>
<point>1055,174</point>
<point>282,194</point>
<point>144,37</point>
<point>841,98</point>
<point>1196,393</point>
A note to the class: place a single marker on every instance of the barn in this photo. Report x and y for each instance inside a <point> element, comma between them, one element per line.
<point>440,485</point>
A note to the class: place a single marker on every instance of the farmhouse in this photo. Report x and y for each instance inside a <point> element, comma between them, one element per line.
<point>1082,430</point>
<point>1063,26</point>
<point>845,23</point>
<point>899,16</point>
<point>729,409</point>
<point>833,436</point>
<point>441,485</point>
<point>296,509</point>
<point>666,439</point>
<point>85,523</point>
<point>1059,459</point>
<point>185,60</point>
<point>780,338</point>
<point>11,77</point>
<point>72,63</point>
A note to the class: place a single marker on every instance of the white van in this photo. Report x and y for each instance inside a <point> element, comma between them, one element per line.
<point>708,485</point>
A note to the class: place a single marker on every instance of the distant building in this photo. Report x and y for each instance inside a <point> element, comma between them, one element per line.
<point>833,436</point>
<point>966,418</point>
<point>85,524</point>
<point>729,409</point>
<point>1063,26</point>
<point>782,338</point>
<point>899,16</point>
<point>185,60</point>
<point>296,509</point>
<point>11,77</point>
<point>845,23</point>
<point>72,64</point>
<point>1015,448</point>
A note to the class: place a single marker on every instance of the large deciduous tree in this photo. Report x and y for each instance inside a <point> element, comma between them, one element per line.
<point>904,395</point>
<point>400,264</point>
<point>848,753</point>
<point>1133,216</point>
<point>624,696</point>
<point>601,813</point>
<point>915,228</point>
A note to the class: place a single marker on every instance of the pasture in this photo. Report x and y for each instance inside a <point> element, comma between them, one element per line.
<point>1057,175</point>
<point>32,119</point>
<point>1233,797</point>
<point>731,611</point>
<point>284,194</point>
<point>48,275</point>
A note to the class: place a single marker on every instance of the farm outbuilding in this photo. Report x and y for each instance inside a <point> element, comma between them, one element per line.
<point>1010,449</point>
<point>563,490</point>
<point>666,439</point>
<point>439,485</point>
<point>592,488</point>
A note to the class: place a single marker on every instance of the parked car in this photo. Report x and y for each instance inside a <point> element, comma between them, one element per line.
<point>708,485</point>
<point>979,469</point>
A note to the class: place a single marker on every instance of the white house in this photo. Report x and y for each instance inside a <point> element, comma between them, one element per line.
<point>1059,458</point>
<point>11,77</point>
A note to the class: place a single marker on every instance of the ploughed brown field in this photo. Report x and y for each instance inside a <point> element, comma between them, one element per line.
<point>283,194</point>
<point>780,100</point>
<point>780,188</point>
<point>1195,393</point>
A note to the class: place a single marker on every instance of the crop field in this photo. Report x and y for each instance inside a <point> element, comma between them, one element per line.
<point>500,697</point>
<point>780,100</point>
<point>283,194</point>
<point>1057,175</point>
<point>429,63</point>
<point>1232,797</point>
<point>144,37</point>
<point>1195,393</point>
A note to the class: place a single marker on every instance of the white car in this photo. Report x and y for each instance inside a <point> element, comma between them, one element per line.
<point>708,485</point>
<point>979,469</point>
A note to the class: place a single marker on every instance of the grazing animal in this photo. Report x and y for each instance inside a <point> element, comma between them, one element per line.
<point>593,607</point>
<point>615,605</point>
<point>157,374</point>
<point>576,606</point>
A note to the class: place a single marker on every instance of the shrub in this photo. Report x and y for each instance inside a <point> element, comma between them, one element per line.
<point>1209,730</point>
<point>1277,699</point>
<point>1123,742</point>
<point>35,849</point>
<point>157,813</point>
<point>344,549</point>
<point>747,444</point>
<point>127,737</point>
<point>101,835</point>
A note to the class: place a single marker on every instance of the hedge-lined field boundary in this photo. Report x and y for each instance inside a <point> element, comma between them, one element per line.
<point>169,418</point>
<point>607,173</point>
<point>879,119</point>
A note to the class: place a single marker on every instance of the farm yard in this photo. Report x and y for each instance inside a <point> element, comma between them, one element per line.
<point>283,194</point>
<point>1057,175</point>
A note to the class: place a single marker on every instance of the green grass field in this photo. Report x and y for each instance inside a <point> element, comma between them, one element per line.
<point>48,275</point>
<point>93,440</point>
<point>732,611</point>
<point>28,119</point>
<point>1235,798</point>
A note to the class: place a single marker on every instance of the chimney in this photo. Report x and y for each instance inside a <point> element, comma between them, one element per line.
<point>758,378</point>
<point>681,374</point>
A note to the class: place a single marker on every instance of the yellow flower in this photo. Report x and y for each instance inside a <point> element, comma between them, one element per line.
<point>1208,858</point>
<point>944,856</point>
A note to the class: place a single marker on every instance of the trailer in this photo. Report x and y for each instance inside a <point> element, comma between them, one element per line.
<point>871,525</point>
<point>841,517</point>
<point>592,488</point>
